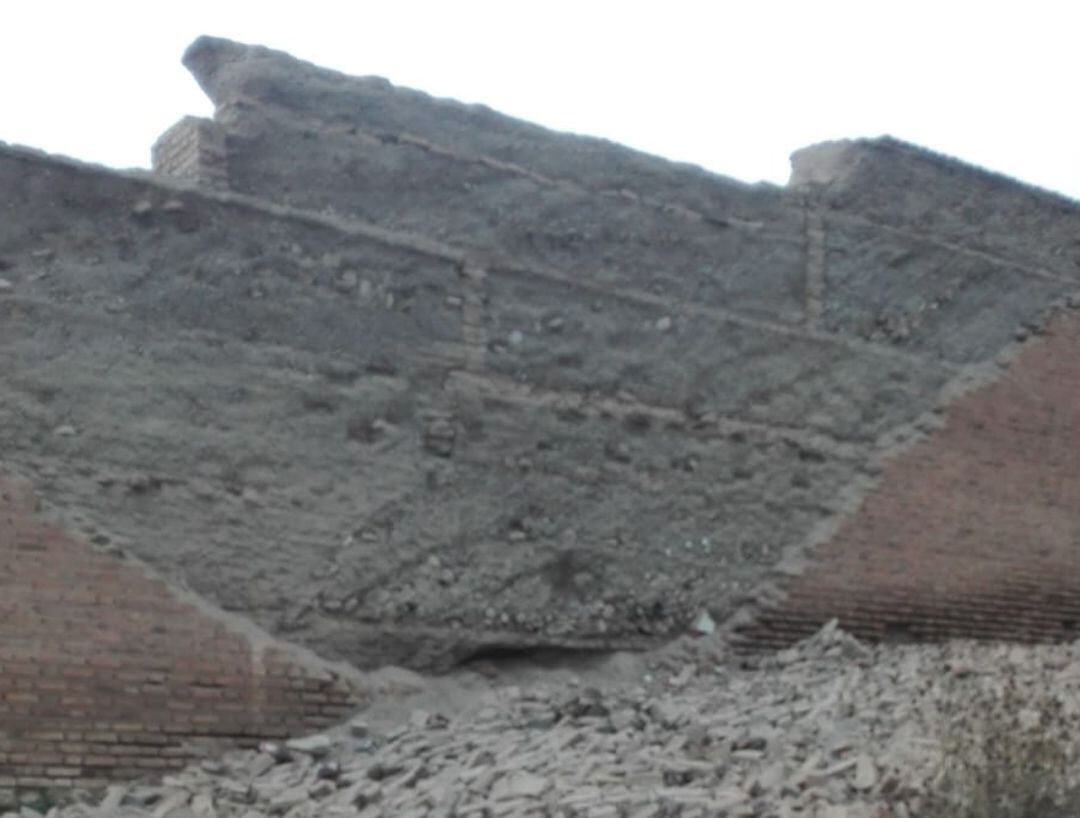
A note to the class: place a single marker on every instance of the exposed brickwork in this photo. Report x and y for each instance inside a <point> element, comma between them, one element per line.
<point>971,532</point>
<point>105,673</point>
<point>193,149</point>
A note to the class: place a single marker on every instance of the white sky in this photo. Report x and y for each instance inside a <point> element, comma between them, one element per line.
<point>734,85</point>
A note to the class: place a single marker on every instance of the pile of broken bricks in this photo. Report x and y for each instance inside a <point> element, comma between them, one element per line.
<point>831,727</point>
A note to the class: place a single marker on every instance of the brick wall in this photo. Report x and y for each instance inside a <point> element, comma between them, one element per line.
<point>194,150</point>
<point>105,673</point>
<point>974,531</point>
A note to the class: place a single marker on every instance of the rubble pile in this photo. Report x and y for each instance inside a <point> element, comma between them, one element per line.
<point>832,727</point>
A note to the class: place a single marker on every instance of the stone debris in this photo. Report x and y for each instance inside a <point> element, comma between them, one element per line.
<point>703,625</point>
<point>831,727</point>
<point>440,436</point>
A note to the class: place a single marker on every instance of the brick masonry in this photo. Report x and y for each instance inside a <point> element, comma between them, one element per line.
<point>973,531</point>
<point>193,150</point>
<point>106,673</point>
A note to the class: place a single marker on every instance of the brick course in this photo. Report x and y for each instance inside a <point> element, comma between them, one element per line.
<point>974,531</point>
<point>193,149</point>
<point>105,673</point>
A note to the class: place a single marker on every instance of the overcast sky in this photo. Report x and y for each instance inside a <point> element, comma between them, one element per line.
<point>734,85</point>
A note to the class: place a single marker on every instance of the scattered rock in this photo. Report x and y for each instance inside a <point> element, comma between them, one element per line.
<point>519,785</point>
<point>703,625</point>
<point>358,728</point>
<point>815,730</point>
<point>347,281</point>
<point>440,436</point>
<point>866,774</point>
<point>317,746</point>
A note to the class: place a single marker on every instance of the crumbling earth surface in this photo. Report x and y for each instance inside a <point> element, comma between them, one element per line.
<point>832,727</point>
<point>426,382</point>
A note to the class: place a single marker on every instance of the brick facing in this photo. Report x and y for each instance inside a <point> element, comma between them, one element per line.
<point>972,532</point>
<point>105,674</point>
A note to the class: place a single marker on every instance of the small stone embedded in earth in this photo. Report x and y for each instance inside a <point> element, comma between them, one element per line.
<point>6,286</point>
<point>358,728</point>
<point>703,625</point>
<point>348,281</point>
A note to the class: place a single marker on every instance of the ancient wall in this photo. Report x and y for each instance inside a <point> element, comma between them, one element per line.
<point>193,150</point>
<point>971,531</point>
<point>106,672</point>
<point>427,382</point>
<point>374,446</point>
<point>917,266</point>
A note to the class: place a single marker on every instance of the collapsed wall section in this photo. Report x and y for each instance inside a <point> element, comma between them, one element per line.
<point>106,672</point>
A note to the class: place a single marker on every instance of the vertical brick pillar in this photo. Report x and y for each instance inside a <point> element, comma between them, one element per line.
<point>193,150</point>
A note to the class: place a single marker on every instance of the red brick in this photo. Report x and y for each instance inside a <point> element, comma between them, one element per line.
<point>971,531</point>
<point>114,694</point>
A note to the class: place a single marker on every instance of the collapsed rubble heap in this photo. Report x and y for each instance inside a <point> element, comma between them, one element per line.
<point>831,728</point>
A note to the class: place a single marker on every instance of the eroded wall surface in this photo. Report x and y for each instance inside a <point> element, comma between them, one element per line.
<point>847,309</point>
<point>307,420</point>
<point>427,381</point>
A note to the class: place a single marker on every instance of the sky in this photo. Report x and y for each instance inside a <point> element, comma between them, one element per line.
<point>732,85</point>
